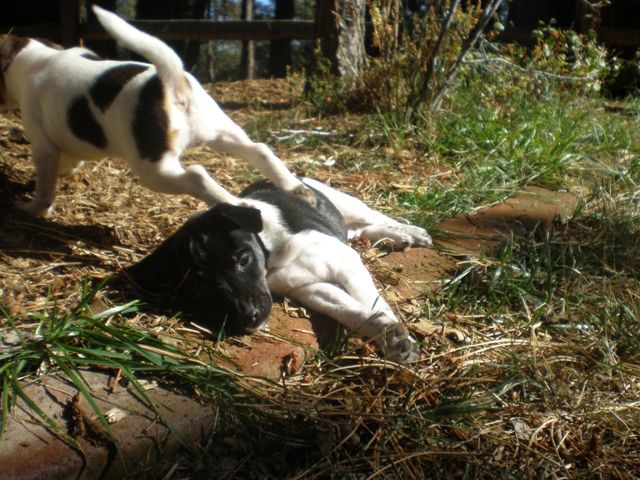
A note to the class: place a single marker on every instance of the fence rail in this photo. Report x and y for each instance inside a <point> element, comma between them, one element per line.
<point>179,30</point>
<point>69,32</point>
<point>620,36</point>
<point>213,30</point>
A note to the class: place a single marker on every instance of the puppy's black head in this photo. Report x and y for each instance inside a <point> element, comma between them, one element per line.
<point>213,266</point>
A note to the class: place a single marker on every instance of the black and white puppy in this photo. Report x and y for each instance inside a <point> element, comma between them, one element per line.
<point>76,106</point>
<point>225,261</point>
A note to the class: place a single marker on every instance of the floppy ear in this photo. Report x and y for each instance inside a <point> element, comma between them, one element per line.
<point>161,272</point>
<point>164,269</point>
<point>246,218</point>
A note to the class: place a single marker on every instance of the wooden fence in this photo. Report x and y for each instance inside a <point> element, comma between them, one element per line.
<point>71,30</point>
<point>175,30</point>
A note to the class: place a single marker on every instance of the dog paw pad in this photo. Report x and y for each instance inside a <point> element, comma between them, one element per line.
<point>419,236</point>
<point>400,346</point>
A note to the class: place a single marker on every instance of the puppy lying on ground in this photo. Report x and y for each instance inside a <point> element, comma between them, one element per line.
<point>225,262</point>
<point>76,106</point>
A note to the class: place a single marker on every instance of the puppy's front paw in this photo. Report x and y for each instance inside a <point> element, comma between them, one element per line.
<point>35,209</point>
<point>405,236</point>
<point>305,194</point>
<point>400,346</point>
<point>419,236</point>
<point>400,236</point>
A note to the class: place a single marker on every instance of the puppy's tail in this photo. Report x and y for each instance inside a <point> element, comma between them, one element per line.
<point>167,62</point>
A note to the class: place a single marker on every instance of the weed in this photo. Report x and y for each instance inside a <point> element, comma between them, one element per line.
<point>77,340</point>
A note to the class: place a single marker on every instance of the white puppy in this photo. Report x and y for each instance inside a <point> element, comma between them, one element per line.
<point>76,106</point>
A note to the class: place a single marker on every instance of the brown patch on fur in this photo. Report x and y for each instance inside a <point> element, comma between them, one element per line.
<point>150,124</point>
<point>10,46</point>
<point>182,94</point>
<point>182,100</point>
<point>110,83</point>
<point>187,84</point>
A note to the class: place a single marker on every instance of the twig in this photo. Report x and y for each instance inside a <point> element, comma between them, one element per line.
<point>293,133</point>
<point>471,40</point>
<point>434,54</point>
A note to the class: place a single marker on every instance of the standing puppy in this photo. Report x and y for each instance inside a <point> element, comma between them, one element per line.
<point>223,263</point>
<point>78,107</point>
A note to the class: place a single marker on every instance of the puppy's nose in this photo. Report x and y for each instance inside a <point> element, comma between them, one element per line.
<point>253,315</point>
<point>253,312</point>
<point>248,309</point>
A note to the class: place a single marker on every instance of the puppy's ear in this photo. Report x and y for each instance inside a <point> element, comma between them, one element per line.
<point>160,273</point>
<point>246,218</point>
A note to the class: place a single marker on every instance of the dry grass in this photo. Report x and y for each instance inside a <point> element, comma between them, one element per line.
<point>468,410</point>
<point>496,394</point>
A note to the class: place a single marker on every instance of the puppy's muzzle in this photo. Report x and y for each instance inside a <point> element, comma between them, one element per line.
<point>252,313</point>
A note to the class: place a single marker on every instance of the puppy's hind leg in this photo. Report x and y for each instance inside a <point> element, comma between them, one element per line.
<point>366,222</point>
<point>47,163</point>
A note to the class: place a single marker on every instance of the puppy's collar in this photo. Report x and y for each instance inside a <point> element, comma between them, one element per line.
<point>263,247</point>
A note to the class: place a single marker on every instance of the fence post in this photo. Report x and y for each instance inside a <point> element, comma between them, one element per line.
<point>586,18</point>
<point>70,22</point>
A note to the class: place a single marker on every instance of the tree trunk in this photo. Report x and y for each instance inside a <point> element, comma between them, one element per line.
<point>280,53</point>
<point>339,32</point>
<point>247,58</point>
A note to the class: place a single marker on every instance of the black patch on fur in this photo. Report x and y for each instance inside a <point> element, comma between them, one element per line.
<point>297,214</point>
<point>84,125</point>
<point>108,85</point>
<point>150,122</point>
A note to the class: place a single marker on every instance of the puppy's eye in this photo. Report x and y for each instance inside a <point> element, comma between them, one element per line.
<point>244,260</point>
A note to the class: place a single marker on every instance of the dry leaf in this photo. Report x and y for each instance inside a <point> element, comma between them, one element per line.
<point>427,329</point>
